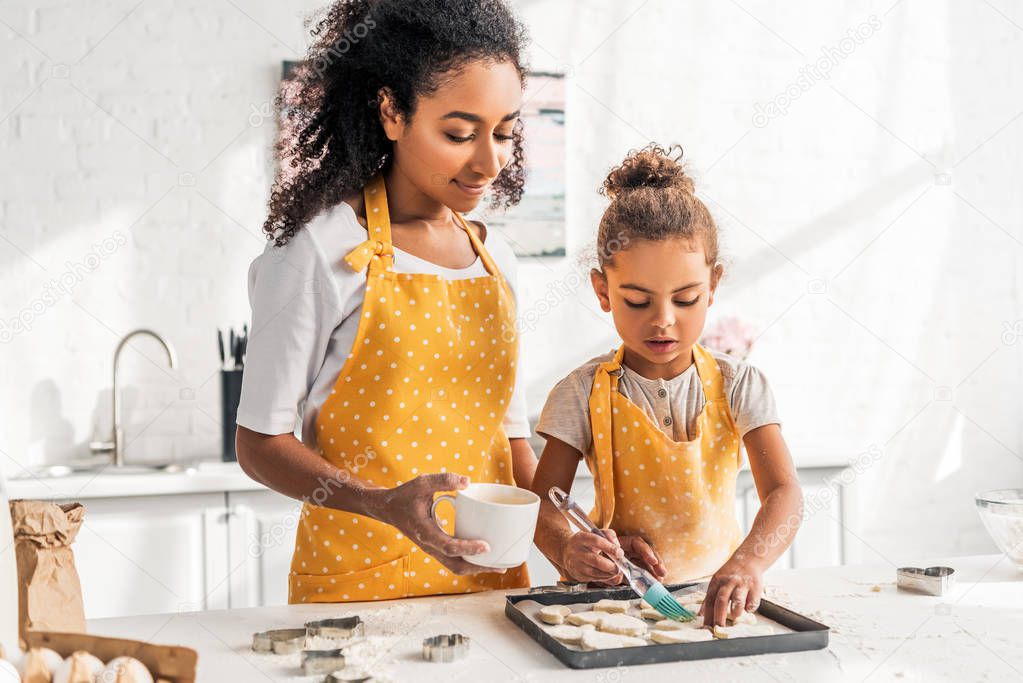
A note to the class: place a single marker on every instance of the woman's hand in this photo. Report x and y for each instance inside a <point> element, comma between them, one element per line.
<point>736,587</point>
<point>407,508</point>
<point>640,552</point>
<point>583,558</point>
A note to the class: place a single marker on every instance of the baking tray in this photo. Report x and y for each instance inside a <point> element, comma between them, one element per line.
<point>807,634</point>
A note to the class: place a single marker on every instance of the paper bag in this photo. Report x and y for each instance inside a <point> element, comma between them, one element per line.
<point>49,592</point>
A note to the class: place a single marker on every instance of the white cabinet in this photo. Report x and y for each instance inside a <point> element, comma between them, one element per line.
<point>183,553</point>
<point>261,526</point>
<point>152,554</point>
<point>820,539</point>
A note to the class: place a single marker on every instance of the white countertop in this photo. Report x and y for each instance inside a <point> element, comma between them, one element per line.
<point>971,634</point>
<point>208,477</point>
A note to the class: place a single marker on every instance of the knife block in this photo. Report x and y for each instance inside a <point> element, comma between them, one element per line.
<point>230,396</point>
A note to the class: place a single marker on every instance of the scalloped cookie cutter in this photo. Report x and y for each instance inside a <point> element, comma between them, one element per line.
<point>281,641</point>
<point>445,647</point>
<point>337,629</point>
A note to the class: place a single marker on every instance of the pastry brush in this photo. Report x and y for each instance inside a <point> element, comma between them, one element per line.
<point>640,580</point>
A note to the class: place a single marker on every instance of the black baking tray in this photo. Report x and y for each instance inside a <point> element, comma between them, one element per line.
<point>807,633</point>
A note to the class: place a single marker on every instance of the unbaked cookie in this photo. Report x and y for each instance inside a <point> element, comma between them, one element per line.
<point>598,640</point>
<point>681,635</point>
<point>623,625</point>
<point>612,606</point>
<point>745,618</point>
<point>568,634</point>
<point>583,618</point>
<point>554,614</point>
<point>672,625</point>
<point>743,631</point>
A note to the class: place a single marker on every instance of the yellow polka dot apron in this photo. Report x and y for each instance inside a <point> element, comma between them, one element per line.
<point>677,495</point>
<point>424,390</point>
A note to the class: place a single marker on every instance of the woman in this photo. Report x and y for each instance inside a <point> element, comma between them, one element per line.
<point>381,316</point>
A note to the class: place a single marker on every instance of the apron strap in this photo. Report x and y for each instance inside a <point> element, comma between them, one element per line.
<point>602,462</point>
<point>378,228</point>
<point>710,374</point>
<point>477,245</point>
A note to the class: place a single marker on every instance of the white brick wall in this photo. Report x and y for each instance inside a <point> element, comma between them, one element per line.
<point>103,109</point>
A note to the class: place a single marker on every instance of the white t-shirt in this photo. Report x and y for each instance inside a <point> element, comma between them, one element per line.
<point>673,404</point>
<point>306,306</point>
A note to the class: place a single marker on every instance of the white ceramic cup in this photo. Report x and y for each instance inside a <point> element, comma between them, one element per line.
<point>503,516</point>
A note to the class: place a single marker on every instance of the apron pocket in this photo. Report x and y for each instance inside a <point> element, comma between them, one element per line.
<point>381,582</point>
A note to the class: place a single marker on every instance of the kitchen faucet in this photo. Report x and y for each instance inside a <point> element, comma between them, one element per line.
<point>116,447</point>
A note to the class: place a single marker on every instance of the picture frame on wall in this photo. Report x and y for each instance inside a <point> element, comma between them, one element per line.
<point>536,225</point>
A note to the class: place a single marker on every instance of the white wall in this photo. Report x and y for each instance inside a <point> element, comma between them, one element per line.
<point>873,229</point>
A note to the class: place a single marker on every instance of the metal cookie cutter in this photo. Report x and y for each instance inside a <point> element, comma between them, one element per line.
<point>346,676</point>
<point>337,629</point>
<point>445,648</point>
<point>322,661</point>
<point>932,581</point>
<point>281,641</point>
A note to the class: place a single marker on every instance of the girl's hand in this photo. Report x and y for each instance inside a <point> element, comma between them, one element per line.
<point>640,552</point>
<point>736,587</point>
<point>582,558</point>
<point>407,508</point>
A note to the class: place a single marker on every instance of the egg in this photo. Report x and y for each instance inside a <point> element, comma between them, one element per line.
<point>8,672</point>
<point>125,670</point>
<point>39,659</point>
<point>80,667</point>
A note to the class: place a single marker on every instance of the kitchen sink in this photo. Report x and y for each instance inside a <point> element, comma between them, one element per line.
<point>105,468</point>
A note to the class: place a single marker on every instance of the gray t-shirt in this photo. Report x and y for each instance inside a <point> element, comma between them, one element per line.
<point>673,404</point>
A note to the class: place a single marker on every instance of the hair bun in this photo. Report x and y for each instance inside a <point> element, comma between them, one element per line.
<point>653,166</point>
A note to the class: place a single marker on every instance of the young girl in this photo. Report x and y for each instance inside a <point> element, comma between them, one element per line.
<point>659,421</point>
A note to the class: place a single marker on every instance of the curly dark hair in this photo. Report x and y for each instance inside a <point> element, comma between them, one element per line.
<point>653,198</point>
<point>406,47</point>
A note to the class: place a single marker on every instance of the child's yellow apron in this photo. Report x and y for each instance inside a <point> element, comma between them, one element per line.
<point>424,390</point>
<point>678,495</point>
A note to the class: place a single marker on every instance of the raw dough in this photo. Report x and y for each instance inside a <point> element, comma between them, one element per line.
<point>554,614</point>
<point>681,635</point>
<point>612,606</point>
<point>583,618</point>
<point>672,625</point>
<point>743,631</point>
<point>651,614</point>
<point>598,640</point>
<point>744,618</point>
<point>567,633</point>
<point>623,625</point>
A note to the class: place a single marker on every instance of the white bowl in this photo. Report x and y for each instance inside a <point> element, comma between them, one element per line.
<point>1001,511</point>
